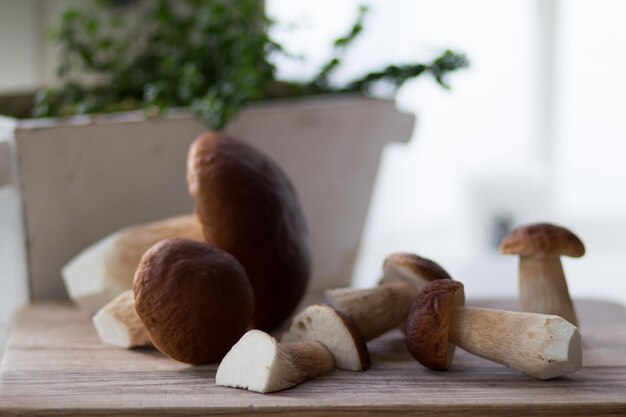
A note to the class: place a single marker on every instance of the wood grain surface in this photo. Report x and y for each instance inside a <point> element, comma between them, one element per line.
<point>54,365</point>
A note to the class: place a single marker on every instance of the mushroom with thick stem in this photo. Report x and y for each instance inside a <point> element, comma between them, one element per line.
<point>118,324</point>
<point>258,363</point>
<point>377,310</point>
<point>542,284</point>
<point>327,325</point>
<point>542,346</point>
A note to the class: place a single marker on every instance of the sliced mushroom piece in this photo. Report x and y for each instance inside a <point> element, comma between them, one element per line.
<point>327,325</point>
<point>118,324</point>
<point>539,345</point>
<point>542,284</point>
<point>258,363</point>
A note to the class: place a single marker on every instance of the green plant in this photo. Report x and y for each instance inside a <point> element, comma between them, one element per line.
<point>210,55</point>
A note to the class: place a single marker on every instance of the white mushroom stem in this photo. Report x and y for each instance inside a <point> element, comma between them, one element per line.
<point>538,345</point>
<point>374,311</point>
<point>543,288</point>
<point>258,363</point>
<point>118,324</point>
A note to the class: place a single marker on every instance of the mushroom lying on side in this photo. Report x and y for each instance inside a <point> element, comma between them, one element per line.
<point>324,324</point>
<point>377,310</point>
<point>106,268</point>
<point>258,363</point>
<point>539,345</point>
<point>118,324</point>
<point>542,284</point>
<point>194,299</point>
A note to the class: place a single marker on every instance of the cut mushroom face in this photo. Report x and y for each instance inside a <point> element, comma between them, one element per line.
<point>118,324</point>
<point>542,284</point>
<point>258,363</point>
<point>374,311</point>
<point>323,323</point>
<point>539,345</point>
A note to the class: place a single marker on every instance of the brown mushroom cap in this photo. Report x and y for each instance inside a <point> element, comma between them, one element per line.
<point>194,299</point>
<point>542,239</point>
<point>425,268</point>
<point>248,207</point>
<point>428,323</point>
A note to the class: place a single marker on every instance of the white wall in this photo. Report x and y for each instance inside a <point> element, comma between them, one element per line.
<point>28,59</point>
<point>19,45</point>
<point>533,131</point>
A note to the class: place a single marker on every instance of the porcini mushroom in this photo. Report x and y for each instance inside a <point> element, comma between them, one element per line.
<point>118,324</point>
<point>542,284</point>
<point>258,363</point>
<point>105,269</point>
<point>376,310</point>
<point>249,208</point>
<point>325,324</point>
<point>542,346</point>
<point>194,299</point>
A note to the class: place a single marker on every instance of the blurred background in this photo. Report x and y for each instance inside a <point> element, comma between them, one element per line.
<point>534,130</point>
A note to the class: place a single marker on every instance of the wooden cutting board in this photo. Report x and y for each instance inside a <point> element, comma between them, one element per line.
<point>54,365</point>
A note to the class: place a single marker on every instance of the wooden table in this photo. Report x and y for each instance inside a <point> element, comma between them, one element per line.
<point>54,365</point>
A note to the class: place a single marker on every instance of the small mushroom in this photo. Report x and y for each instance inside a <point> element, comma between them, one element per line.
<point>377,310</point>
<point>542,284</point>
<point>325,324</point>
<point>258,363</point>
<point>539,345</point>
<point>118,324</point>
<point>194,299</point>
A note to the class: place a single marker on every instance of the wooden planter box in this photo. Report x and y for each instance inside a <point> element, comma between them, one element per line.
<point>67,183</point>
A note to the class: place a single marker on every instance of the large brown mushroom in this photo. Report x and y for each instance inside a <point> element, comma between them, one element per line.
<point>248,207</point>
<point>538,345</point>
<point>542,284</point>
<point>194,299</point>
